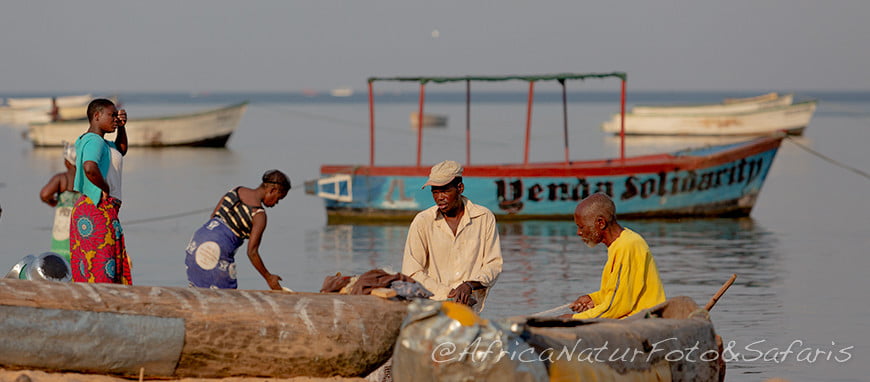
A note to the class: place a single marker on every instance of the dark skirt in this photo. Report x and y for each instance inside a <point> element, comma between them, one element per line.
<point>210,258</point>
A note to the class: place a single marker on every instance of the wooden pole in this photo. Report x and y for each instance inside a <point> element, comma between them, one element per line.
<point>371,125</point>
<point>720,292</point>
<point>529,122</point>
<point>565,120</point>
<point>622,122</point>
<point>420,123</point>
<point>467,122</point>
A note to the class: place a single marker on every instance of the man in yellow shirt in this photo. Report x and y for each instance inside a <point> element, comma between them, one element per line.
<point>630,280</point>
<point>453,247</point>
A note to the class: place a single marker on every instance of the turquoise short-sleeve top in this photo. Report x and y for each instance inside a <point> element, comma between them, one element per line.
<point>91,147</point>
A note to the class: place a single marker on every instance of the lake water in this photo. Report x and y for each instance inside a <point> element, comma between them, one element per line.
<point>802,257</point>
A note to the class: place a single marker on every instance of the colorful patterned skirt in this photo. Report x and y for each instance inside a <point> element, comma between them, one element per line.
<point>210,256</point>
<point>97,250</point>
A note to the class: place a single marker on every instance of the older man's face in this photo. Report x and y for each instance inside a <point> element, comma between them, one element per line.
<point>587,230</point>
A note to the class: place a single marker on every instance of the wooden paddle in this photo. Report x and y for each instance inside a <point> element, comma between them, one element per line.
<point>720,292</point>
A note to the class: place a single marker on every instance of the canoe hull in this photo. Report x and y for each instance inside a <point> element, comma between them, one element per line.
<point>716,181</point>
<point>191,332</point>
<point>792,119</point>
<point>206,129</point>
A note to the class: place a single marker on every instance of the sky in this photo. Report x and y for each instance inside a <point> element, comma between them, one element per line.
<point>287,46</point>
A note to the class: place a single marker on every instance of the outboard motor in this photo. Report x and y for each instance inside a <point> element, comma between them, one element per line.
<point>48,266</point>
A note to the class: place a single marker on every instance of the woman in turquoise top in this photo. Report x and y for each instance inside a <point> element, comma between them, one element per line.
<point>97,250</point>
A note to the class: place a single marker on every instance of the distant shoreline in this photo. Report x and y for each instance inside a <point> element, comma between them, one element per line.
<point>436,96</point>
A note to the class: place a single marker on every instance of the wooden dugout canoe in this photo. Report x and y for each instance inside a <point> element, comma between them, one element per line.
<point>673,341</point>
<point>176,332</point>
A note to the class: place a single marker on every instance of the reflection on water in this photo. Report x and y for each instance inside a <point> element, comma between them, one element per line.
<point>547,265</point>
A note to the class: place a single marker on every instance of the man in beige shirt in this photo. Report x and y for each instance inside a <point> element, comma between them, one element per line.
<point>453,248</point>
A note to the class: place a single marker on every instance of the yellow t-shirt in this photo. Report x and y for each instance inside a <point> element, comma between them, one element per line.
<point>629,282</point>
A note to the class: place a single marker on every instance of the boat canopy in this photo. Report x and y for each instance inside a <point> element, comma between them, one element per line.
<point>531,79</point>
<point>527,78</point>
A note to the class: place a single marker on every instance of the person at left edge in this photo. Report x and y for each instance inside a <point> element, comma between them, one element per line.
<point>59,193</point>
<point>97,249</point>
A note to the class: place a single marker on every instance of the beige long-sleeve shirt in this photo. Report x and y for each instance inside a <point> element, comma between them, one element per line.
<point>441,261</point>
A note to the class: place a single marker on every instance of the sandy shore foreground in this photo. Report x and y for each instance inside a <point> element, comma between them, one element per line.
<point>41,376</point>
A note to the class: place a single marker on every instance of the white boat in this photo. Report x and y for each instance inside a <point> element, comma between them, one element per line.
<point>45,102</point>
<point>23,111</point>
<point>341,92</point>
<point>729,105</point>
<point>210,128</point>
<point>429,120</point>
<point>792,119</point>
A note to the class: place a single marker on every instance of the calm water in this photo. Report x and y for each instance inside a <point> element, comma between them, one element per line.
<point>801,258</point>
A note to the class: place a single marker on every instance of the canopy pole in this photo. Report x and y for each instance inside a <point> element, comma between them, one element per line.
<point>622,123</point>
<point>420,122</point>
<point>565,119</point>
<point>529,122</point>
<point>467,122</point>
<point>371,125</point>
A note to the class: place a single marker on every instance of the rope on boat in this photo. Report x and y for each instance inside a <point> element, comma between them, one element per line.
<point>551,311</point>
<point>151,219</point>
<point>166,217</point>
<point>828,159</point>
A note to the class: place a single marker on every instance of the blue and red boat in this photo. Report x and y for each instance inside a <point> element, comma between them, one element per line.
<point>720,180</point>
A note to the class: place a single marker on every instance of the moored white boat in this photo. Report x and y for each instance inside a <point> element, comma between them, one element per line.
<point>792,119</point>
<point>23,111</point>
<point>341,92</point>
<point>729,105</point>
<point>429,120</point>
<point>45,102</point>
<point>210,128</point>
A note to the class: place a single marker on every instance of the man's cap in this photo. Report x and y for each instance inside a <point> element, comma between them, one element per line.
<point>443,173</point>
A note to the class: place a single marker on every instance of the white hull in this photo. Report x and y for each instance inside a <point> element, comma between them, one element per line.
<point>23,116</point>
<point>208,128</point>
<point>38,110</point>
<point>45,102</point>
<point>791,118</point>
<point>739,105</point>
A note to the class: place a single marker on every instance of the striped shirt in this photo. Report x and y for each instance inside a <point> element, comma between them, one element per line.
<point>237,215</point>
